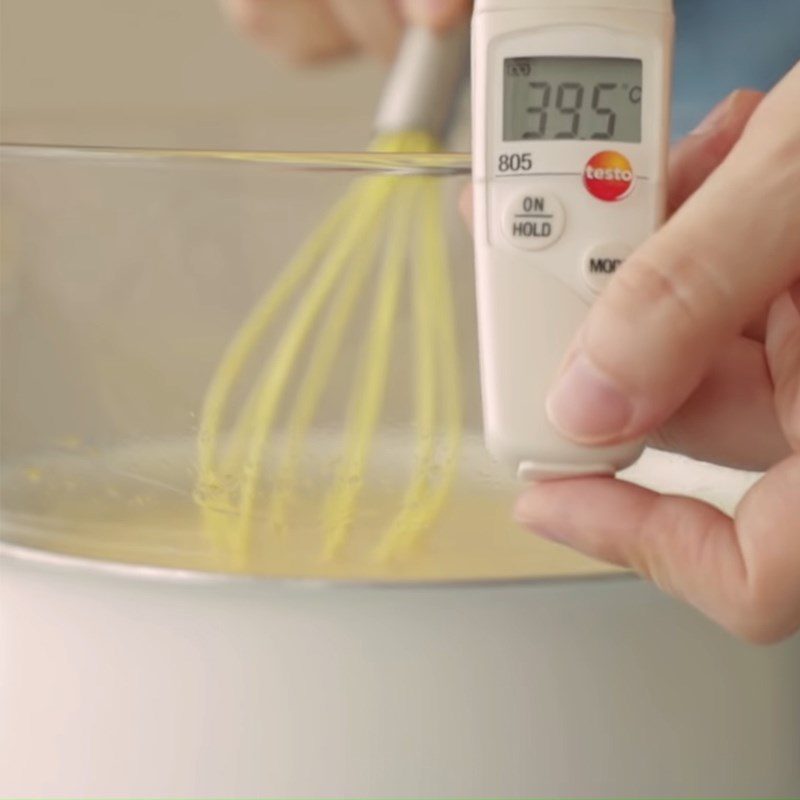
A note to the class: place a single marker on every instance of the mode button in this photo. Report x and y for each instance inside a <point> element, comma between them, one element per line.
<point>602,262</point>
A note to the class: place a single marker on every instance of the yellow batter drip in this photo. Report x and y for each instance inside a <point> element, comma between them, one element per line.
<point>381,215</point>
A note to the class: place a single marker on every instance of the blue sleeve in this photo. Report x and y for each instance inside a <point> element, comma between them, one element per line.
<point>723,45</point>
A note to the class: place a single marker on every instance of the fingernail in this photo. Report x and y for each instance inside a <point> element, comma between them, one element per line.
<point>716,117</point>
<point>586,405</point>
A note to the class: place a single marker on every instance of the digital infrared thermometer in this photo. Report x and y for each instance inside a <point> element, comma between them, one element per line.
<point>570,128</point>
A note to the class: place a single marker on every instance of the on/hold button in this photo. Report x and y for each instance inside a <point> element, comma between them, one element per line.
<point>534,220</point>
<point>602,263</point>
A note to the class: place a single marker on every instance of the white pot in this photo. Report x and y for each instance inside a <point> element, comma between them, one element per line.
<point>127,683</point>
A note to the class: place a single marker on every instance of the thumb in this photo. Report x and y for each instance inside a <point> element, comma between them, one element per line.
<point>725,255</point>
<point>436,14</point>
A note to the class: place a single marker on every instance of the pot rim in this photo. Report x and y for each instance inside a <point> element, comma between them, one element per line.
<point>435,165</point>
<point>51,559</point>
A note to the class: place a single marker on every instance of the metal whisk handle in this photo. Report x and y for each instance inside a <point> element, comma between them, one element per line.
<point>423,84</point>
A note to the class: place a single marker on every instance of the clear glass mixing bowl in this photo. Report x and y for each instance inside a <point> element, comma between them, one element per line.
<point>124,276</point>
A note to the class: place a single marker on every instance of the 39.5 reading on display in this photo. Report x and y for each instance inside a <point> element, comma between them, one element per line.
<point>552,98</point>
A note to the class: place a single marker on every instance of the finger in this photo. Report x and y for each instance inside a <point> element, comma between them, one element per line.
<point>436,14</point>
<point>374,25</point>
<point>298,31</point>
<point>694,158</point>
<point>731,418</point>
<point>745,575</point>
<point>735,395</point>
<point>731,248</point>
<point>783,353</point>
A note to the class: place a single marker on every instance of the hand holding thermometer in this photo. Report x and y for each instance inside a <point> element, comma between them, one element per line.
<point>570,139</point>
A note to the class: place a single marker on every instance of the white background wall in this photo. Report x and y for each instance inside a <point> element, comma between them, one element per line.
<point>167,73</point>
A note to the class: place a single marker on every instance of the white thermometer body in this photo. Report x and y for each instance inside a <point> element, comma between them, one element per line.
<point>570,140</point>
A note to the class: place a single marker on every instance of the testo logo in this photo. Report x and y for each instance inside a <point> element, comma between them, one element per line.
<point>608,176</point>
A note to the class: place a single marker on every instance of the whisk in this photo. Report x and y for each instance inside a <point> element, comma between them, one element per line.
<point>397,222</point>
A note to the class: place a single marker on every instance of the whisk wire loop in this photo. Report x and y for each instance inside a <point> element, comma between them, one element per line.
<point>363,418</point>
<point>400,217</point>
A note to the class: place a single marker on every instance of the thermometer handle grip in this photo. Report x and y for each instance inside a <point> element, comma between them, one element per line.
<point>528,319</point>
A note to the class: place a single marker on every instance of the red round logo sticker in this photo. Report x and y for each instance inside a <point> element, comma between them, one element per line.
<point>608,176</point>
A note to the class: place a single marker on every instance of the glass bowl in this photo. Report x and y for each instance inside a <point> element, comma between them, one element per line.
<point>127,273</point>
